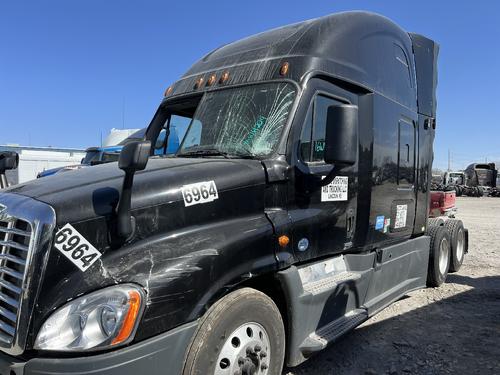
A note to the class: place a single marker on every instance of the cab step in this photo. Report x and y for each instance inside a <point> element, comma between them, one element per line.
<point>331,332</point>
<point>329,283</point>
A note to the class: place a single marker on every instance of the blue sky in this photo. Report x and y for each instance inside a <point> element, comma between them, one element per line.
<point>70,70</point>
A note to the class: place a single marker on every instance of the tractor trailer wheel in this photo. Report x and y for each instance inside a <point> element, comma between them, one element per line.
<point>243,333</point>
<point>456,231</point>
<point>439,257</point>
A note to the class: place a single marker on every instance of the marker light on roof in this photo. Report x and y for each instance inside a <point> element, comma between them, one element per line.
<point>211,80</point>
<point>198,83</point>
<point>224,77</point>
<point>168,91</point>
<point>284,68</point>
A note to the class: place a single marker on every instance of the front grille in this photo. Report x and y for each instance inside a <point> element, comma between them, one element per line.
<point>15,237</point>
<point>26,234</point>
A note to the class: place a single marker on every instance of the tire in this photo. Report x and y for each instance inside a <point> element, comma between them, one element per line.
<point>439,257</point>
<point>229,340</point>
<point>458,191</point>
<point>434,222</point>
<point>458,243</point>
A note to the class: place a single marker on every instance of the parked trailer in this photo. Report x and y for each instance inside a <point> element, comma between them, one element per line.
<point>295,209</point>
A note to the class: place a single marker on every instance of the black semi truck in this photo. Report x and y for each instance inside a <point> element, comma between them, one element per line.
<point>262,240</point>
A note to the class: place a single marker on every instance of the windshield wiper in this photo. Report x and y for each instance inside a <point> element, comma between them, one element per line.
<point>214,152</point>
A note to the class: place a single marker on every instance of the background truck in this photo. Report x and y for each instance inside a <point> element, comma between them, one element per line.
<point>482,176</point>
<point>109,154</point>
<point>295,208</point>
<point>459,182</point>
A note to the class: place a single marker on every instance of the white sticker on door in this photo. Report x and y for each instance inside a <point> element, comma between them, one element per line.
<point>76,248</point>
<point>335,190</point>
<point>200,192</point>
<point>401,212</point>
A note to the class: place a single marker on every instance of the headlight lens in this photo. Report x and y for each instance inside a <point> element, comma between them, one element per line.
<point>98,320</point>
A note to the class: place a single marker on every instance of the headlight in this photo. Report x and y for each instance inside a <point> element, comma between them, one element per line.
<point>102,319</point>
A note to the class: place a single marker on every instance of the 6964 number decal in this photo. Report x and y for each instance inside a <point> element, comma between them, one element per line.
<point>76,248</point>
<point>200,192</point>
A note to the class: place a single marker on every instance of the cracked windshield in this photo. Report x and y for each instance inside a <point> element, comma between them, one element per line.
<point>239,122</point>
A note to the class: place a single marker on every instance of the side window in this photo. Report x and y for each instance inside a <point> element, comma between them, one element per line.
<point>402,64</point>
<point>178,127</point>
<point>312,139</point>
<point>406,164</point>
<point>194,137</point>
<point>305,137</point>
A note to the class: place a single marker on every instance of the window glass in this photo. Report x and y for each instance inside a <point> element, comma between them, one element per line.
<point>402,64</point>
<point>319,129</point>
<point>305,137</point>
<point>246,120</point>
<point>312,141</point>
<point>178,127</point>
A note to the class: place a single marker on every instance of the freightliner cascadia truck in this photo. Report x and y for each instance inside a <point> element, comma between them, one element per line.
<point>262,240</point>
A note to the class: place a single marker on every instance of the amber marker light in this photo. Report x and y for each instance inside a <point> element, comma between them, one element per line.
<point>283,240</point>
<point>129,321</point>
<point>284,68</point>
<point>211,80</point>
<point>198,83</point>
<point>168,91</point>
<point>224,77</point>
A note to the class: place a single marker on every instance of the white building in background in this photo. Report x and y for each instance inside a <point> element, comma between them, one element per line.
<point>116,136</point>
<point>33,160</point>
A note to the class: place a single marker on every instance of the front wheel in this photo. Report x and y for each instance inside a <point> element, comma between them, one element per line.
<point>241,334</point>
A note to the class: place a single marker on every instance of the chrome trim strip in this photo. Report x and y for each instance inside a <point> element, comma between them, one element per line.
<point>42,219</point>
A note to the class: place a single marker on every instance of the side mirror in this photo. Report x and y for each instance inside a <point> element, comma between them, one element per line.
<point>133,157</point>
<point>8,160</point>
<point>341,139</point>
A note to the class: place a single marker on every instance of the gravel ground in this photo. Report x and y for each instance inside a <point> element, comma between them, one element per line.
<point>453,329</point>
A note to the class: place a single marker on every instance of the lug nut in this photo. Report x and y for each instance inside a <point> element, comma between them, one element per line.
<point>250,350</point>
<point>241,361</point>
<point>257,348</point>
<point>263,354</point>
<point>263,366</point>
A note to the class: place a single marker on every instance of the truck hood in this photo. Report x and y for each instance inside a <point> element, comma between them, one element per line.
<point>92,192</point>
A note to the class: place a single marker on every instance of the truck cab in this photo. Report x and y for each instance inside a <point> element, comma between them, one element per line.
<point>295,208</point>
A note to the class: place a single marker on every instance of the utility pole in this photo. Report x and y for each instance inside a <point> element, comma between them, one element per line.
<point>123,112</point>
<point>449,160</point>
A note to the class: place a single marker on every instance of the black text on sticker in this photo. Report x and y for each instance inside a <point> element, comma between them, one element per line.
<point>200,192</point>
<point>76,248</point>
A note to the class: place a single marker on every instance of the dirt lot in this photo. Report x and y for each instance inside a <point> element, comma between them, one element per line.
<point>454,329</point>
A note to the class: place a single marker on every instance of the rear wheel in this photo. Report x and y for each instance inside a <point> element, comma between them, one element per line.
<point>241,334</point>
<point>434,222</point>
<point>439,257</point>
<point>456,231</point>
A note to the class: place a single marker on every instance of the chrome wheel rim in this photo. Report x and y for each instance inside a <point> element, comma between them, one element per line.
<point>460,244</point>
<point>443,256</point>
<point>246,351</point>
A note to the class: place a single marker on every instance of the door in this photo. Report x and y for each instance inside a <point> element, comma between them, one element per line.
<point>323,218</point>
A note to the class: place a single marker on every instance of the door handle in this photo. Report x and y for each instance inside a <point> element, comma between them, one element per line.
<point>350,221</point>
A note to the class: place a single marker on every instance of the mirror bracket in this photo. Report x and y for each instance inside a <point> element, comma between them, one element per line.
<point>133,157</point>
